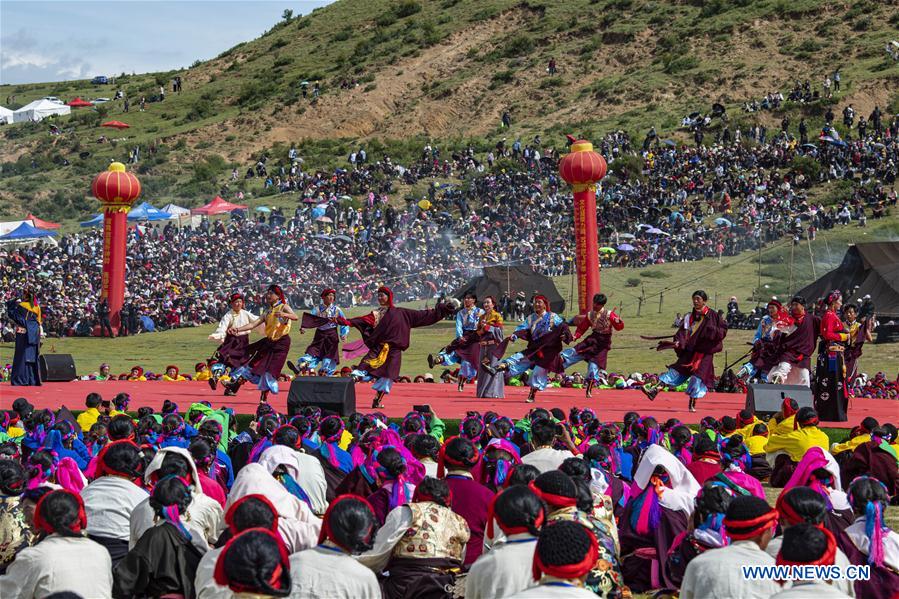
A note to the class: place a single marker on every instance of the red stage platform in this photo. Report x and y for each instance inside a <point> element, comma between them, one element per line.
<point>444,399</point>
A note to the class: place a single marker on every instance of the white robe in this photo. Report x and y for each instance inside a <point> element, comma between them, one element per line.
<point>552,588</point>
<point>204,581</point>
<point>718,573</point>
<point>684,488</point>
<point>305,469</point>
<point>323,572</point>
<point>109,502</point>
<point>547,458</point>
<point>57,564</point>
<point>234,320</point>
<point>504,570</point>
<point>204,514</point>
<point>840,559</point>
<point>856,532</point>
<point>298,526</point>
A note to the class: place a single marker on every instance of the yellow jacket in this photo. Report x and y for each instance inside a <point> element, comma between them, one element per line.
<point>784,427</point>
<point>850,445</point>
<point>756,444</point>
<point>88,418</point>
<point>746,431</point>
<point>203,375</point>
<point>179,378</point>
<point>798,442</point>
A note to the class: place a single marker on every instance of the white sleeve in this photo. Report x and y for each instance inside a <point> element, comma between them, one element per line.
<point>395,526</point>
<point>224,324</point>
<point>21,577</point>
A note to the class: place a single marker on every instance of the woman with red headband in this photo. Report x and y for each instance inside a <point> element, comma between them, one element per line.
<point>322,355</point>
<point>808,545</point>
<point>386,333</point>
<point>458,457</point>
<point>463,349</point>
<point>829,386</point>
<point>794,445</point>
<point>764,348</point>
<point>15,534</point>
<point>232,349</point>
<point>249,512</point>
<point>749,522</point>
<point>545,333</point>
<point>65,560</point>
<point>563,561</point>
<point>348,530</point>
<point>870,541</point>
<point>562,497</point>
<point>506,568</point>
<point>422,545</point>
<point>255,563</point>
<point>267,355</point>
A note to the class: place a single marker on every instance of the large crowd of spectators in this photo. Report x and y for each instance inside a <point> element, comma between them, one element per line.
<point>663,203</point>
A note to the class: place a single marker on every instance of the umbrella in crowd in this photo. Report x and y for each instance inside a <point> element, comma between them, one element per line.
<point>656,231</point>
<point>263,209</point>
<point>626,247</point>
<point>723,222</point>
<point>607,250</point>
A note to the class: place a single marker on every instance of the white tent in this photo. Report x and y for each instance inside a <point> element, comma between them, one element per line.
<point>39,110</point>
<point>175,210</point>
<point>11,225</point>
<point>5,115</point>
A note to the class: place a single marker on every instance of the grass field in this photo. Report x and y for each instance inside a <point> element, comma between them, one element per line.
<point>666,289</point>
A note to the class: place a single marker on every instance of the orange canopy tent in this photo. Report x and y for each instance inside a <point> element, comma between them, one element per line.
<point>218,206</point>
<point>41,224</point>
<point>116,124</point>
<point>79,103</point>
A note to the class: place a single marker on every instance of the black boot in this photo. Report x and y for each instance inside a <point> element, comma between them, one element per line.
<point>461,385</point>
<point>293,368</point>
<point>234,386</point>
<point>589,393</point>
<point>650,393</point>
<point>432,361</point>
<point>532,396</point>
<point>692,404</point>
<point>376,402</point>
<point>493,369</point>
<point>213,382</point>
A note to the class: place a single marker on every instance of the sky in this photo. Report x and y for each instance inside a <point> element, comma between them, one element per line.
<point>73,39</point>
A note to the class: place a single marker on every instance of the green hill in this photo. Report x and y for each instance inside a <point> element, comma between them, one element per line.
<point>393,74</point>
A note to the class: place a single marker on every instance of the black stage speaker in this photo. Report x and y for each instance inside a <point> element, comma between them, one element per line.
<point>767,399</point>
<point>57,368</point>
<point>334,394</point>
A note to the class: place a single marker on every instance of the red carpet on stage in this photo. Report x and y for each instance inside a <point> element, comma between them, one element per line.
<point>443,398</point>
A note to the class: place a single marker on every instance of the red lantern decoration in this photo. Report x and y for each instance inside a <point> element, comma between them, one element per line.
<point>582,169</point>
<point>117,190</point>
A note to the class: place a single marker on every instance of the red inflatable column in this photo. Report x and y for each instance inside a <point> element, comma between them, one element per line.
<point>117,190</point>
<point>581,169</point>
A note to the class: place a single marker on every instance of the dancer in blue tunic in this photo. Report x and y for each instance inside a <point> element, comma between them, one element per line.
<point>323,355</point>
<point>467,338</point>
<point>26,316</point>
<point>545,333</point>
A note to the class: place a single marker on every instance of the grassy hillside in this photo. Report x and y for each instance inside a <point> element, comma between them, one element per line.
<point>444,69</point>
<point>665,290</point>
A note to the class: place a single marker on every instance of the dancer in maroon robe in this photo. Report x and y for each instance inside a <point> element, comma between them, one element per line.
<point>795,348</point>
<point>385,332</point>
<point>595,348</point>
<point>860,331</point>
<point>696,342</point>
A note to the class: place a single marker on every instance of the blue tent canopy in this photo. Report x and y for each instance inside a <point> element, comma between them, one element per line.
<point>94,222</point>
<point>27,231</point>
<point>146,211</point>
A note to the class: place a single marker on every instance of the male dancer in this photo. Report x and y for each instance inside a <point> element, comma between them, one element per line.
<point>323,353</point>
<point>595,348</point>
<point>267,355</point>
<point>232,349</point>
<point>386,332</point>
<point>545,332</point>
<point>696,342</point>
<point>25,314</point>
<point>467,334</point>
<point>795,347</point>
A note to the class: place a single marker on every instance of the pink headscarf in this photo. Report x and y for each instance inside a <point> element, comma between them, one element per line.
<point>415,470</point>
<point>69,476</point>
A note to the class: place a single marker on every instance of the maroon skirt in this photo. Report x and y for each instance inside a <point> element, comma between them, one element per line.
<point>269,356</point>
<point>325,345</point>
<point>233,350</point>
<point>595,348</point>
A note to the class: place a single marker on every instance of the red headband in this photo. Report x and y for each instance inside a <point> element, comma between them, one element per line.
<point>786,511</point>
<point>543,299</point>
<point>76,527</point>
<point>551,499</point>
<point>326,534</point>
<point>741,530</point>
<point>443,459</point>
<point>221,576</point>
<point>327,291</point>
<point>787,407</point>
<point>419,496</point>
<point>808,422</point>
<point>508,530</point>
<point>567,571</point>
<point>103,469</point>
<point>827,558</point>
<point>229,517</point>
<point>386,291</point>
